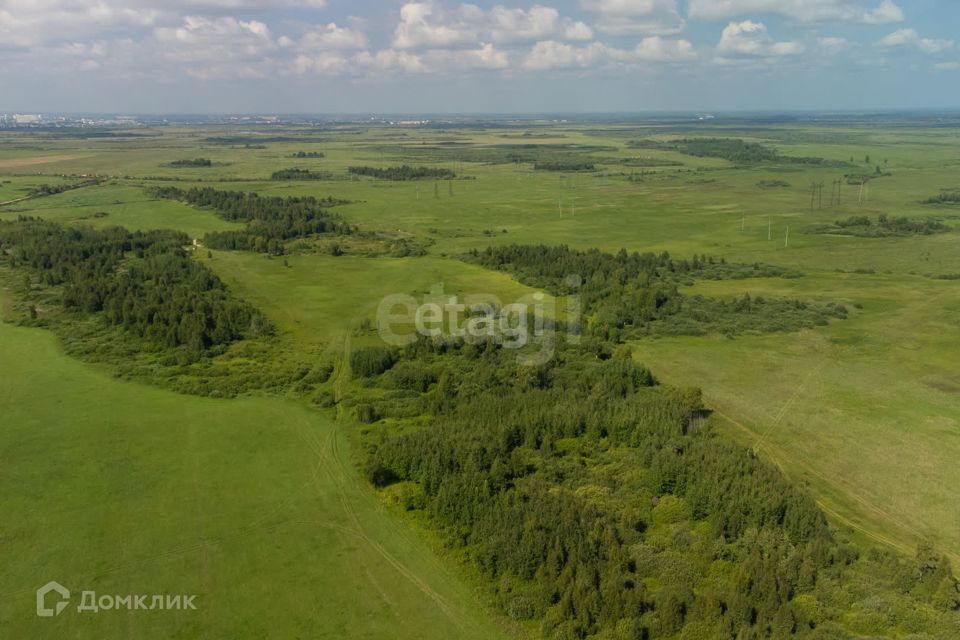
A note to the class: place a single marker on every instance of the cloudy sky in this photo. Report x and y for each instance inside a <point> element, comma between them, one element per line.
<point>390,56</point>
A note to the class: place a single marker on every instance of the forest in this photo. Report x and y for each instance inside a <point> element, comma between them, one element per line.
<point>732,149</point>
<point>570,164</point>
<point>143,282</point>
<point>636,294</point>
<point>270,220</point>
<point>883,226</point>
<point>195,162</point>
<point>49,189</point>
<point>598,503</point>
<point>947,196</point>
<point>403,172</point>
<point>300,174</point>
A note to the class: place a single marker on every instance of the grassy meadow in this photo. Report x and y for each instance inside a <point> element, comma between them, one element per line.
<point>254,503</point>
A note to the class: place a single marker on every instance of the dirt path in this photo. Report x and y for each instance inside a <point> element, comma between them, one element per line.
<point>15,200</point>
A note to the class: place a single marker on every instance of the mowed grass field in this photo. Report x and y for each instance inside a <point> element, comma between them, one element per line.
<point>864,412</point>
<point>252,505</point>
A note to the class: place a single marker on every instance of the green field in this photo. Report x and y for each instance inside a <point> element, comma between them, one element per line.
<point>255,504</point>
<point>252,505</point>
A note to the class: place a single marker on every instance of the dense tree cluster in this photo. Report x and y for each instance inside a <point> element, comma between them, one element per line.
<point>371,361</point>
<point>403,172</point>
<point>773,184</point>
<point>195,162</point>
<point>600,504</point>
<point>947,196</point>
<point>144,282</point>
<point>649,162</point>
<point>53,189</point>
<point>270,220</point>
<point>308,154</point>
<point>732,149</point>
<point>569,164</point>
<point>634,294</point>
<point>300,174</point>
<point>883,226</point>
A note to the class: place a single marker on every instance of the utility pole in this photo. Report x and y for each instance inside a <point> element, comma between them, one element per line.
<point>786,238</point>
<point>769,229</point>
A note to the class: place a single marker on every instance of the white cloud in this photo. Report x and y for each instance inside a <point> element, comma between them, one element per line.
<point>538,23</point>
<point>423,25</point>
<point>749,39</point>
<point>323,63</point>
<point>631,17</point>
<point>933,47</point>
<point>900,37</point>
<point>390,60</point>
<point>484,57</point>
<point>948,66</point>
<point>799,10</point>
<point>910,38</point>
<point>886,13</point>
<point>832,44</point>
<point>656,48</point>
<point>27,23</point>
<point>331,36</point>
<point>428,24</point>
<point>551,54</point>
<point>217,47</point>
<point>259,5</point>
<point>577,31</point>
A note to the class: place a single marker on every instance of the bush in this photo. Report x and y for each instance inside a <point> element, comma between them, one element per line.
<point>372,361</point>
<point>367,413</point>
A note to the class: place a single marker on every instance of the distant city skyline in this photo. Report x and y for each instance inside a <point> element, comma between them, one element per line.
<point>567,56</point>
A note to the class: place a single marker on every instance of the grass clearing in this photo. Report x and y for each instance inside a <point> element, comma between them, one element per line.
<point>252,505</point>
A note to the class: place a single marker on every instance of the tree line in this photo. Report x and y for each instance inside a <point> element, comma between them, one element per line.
<point>947,196</point>
<point>194,162</point>
<point>53,189</point>
<point>627,295</point>
<point>300,174</point>
<point>600,504</point>
<point>568,164</point>
<point>403,172</point>
<point>883,226</point>
<point>270,220</point>
<point>731,149</point>
<point>142,282</point>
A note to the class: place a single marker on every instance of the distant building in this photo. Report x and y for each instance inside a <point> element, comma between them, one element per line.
<point>22,118</point>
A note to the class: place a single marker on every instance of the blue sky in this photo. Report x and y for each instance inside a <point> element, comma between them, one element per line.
<point>390,56</point>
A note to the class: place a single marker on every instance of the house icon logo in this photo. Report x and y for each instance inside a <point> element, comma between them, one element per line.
<point>45,612</point>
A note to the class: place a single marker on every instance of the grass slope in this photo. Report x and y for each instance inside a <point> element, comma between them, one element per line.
<point>253,505</point>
